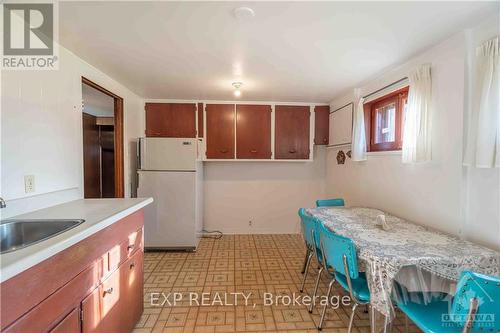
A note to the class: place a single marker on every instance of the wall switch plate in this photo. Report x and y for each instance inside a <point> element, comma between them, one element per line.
<point>29,184</point>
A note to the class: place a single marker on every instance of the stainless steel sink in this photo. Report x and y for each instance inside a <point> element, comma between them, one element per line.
<point>17,234</point>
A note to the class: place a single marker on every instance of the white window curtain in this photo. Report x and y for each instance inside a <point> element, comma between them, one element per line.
<point>358,149</point>
<point>483,145</point>
<point>417,121</point>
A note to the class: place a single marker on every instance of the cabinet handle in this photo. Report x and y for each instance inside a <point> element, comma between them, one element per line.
<point>253,151</point>
<point>130,247</point>
<point>108,291</point>
<point>223,151</point>
<point>292,151</point>
<point>325,140</point>
<point>132,265</point>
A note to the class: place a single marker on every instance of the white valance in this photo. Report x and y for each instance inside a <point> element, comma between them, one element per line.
<point>417,117</point>
<point>483,142</point>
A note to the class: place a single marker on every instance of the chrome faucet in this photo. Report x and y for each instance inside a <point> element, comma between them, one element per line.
<point>2,203</point>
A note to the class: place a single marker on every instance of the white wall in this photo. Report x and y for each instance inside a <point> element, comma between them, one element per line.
<point>433,194</point>
<point>41,133</point>
<point>267,193</point>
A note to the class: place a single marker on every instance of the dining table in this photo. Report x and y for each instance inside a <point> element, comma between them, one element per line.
<point>411,254</point>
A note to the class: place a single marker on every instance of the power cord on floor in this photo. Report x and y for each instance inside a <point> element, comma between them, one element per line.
<point>216,234</point>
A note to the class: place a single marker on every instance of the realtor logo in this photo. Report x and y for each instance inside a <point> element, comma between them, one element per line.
<point>29,36</point>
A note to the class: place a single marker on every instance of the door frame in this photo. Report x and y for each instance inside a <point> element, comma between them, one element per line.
<point>118,115</point>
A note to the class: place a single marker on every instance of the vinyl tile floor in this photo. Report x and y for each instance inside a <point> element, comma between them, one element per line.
<point>205,291</point>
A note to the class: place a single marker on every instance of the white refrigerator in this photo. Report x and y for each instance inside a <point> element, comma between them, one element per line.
<point>170,172</point>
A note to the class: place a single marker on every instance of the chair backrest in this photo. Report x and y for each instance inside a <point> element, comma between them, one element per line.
<point>335,247</point>
<point>486,290</point>
<point>330,202</point>
<point>309,223</point>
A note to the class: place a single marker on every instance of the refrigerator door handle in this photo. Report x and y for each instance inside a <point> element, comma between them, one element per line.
<point>139,154</point>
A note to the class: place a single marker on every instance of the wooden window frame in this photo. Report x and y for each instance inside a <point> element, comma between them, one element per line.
<point>400,97</point>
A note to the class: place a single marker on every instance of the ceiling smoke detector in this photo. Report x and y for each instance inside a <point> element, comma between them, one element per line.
<point>243,13</point>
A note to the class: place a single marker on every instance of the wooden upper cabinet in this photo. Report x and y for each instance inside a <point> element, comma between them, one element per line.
<point>200,120</point>
<point>220,131</point>
<point>292,132</point>
<point>253,131</point>
<point>321,124</point>
<point>171,120</point>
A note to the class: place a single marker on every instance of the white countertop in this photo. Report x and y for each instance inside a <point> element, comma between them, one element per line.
<point>97,213</point>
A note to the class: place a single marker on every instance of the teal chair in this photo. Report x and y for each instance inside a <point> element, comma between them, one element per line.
<point>474,308</point>
<point>330,202</point>
<point>341,262</point>
<point>309,226</point>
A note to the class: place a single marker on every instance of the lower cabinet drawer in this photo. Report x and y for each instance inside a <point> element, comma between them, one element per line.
<point>121,293</point>
<point>124,250</point>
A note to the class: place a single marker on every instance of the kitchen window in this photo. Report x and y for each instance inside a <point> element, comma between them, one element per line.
<point>384,121</point>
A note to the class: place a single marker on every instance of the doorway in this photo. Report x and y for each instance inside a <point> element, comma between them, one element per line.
<point>102,122</point>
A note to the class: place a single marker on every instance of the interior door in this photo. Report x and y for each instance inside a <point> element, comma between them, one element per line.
<point>91,157</point>
<point>220,131</point>
<point>253,131</point>
<point>292,132</point>
<point>321,124</point>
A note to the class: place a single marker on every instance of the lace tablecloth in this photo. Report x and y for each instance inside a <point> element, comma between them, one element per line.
<point>383,253</point>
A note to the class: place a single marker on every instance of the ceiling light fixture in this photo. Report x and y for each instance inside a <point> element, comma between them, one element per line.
<point>237,86</point>
<point>243,13</point>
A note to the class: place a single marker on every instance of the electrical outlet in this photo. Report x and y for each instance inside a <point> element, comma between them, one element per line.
<point>250,223</point>
<point>29,184</point>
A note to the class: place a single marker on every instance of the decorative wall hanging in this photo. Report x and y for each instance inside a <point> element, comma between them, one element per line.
<point>340,157</point>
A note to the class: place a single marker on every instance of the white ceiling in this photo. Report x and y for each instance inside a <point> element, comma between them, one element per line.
<point>290,51</point>
<point>97,103</point>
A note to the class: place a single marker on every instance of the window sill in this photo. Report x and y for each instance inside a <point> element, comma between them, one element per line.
<point>384,153</point>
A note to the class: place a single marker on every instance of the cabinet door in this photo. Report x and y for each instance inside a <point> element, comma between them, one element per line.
<point>292,132</point>
<point>200,120</point>
<point>253,131</point>
<point>156,119</point>
<point>70,324</point>
<point>321,124</point>
<point>172,120</point>
<point>220,131</point>
<point>121,293</point>
<point>54,310</point>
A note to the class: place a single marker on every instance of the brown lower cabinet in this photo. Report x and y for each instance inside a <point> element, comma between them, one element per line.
<point>116,304</point>
<point>95,285</point>
<point>70,323</point>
